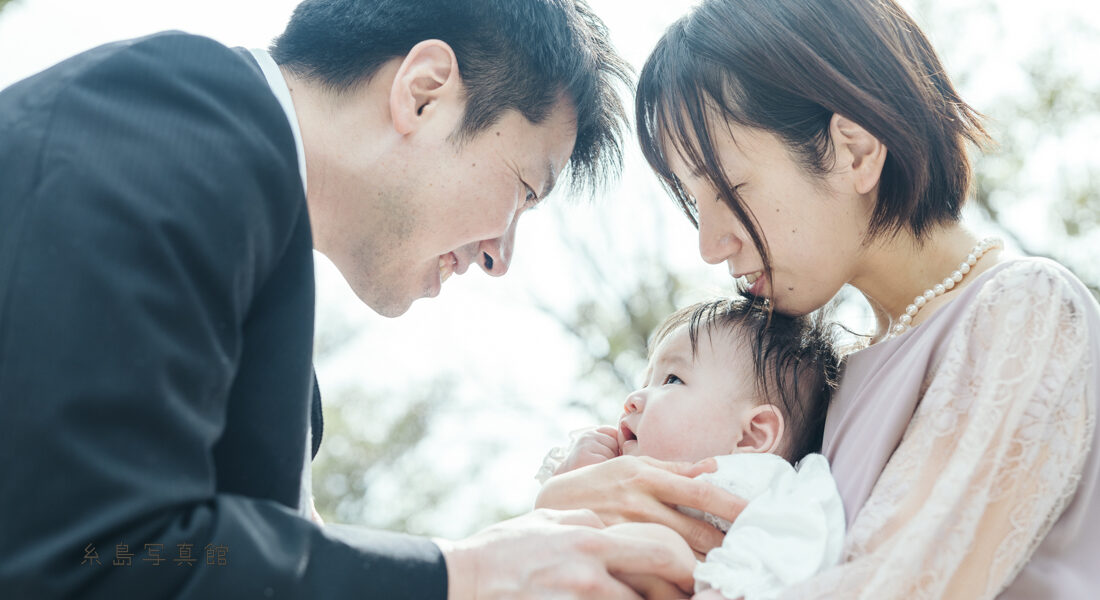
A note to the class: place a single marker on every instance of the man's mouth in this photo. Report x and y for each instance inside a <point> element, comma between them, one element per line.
<point>447,264</point>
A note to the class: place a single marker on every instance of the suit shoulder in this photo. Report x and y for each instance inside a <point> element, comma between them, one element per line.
<point>195,94</point>
<point>189,122</point>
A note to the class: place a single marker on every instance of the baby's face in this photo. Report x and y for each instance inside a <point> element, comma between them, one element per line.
<point>690,408</point>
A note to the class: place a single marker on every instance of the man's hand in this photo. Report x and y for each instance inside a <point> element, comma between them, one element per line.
<point>649,586</point>
<point>590,447</point>
<point>558,554</point>
<point>711,594</point>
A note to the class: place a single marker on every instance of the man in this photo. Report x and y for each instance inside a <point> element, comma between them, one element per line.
<point>159,203</point>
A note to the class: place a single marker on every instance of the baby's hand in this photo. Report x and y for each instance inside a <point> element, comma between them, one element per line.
<point>590,447</point>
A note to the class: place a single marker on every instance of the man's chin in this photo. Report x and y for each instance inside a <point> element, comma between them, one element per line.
<point>392,312</point>
<point>386,307</point>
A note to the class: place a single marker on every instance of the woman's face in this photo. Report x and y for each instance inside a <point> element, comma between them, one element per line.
<point>813,227</point>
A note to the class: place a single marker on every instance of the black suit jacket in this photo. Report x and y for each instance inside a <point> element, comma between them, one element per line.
<point>156,323</point>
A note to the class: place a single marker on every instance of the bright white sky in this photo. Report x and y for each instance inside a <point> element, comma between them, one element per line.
<point>480,329</point>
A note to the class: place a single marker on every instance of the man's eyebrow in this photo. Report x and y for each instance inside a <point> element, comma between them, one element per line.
<point>551,179</point>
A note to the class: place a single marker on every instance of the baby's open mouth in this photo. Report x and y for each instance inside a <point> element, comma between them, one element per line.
<point>628,434</point>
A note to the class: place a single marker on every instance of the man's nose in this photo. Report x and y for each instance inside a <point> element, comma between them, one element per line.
<point>496,254</point>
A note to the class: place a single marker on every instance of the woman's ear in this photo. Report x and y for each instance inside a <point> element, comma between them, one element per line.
<point>858,151</point>
<point>427,77</point>
<point>762,430</point>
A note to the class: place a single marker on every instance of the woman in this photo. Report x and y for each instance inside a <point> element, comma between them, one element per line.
<point>817,143</point>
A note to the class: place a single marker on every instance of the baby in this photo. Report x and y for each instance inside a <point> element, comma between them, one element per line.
<point>731,380</point>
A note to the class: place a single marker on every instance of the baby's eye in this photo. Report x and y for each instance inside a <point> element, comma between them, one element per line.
<point>672,379</point>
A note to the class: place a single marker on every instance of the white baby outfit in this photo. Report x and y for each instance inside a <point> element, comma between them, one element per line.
<point>792,528</point>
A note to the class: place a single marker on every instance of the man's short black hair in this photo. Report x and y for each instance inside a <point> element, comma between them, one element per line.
<point>512,54</point>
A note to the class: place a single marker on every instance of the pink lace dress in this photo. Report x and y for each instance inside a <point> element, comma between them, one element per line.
<point>961,449</point>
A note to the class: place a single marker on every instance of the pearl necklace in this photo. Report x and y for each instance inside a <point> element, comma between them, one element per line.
<point>905,321</point>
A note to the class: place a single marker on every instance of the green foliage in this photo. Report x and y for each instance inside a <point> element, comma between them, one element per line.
<point>356,444</point>
<point>1059,103</point>
<point>612,329</point>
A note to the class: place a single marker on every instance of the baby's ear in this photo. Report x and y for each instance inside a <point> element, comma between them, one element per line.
<point>762,430</point>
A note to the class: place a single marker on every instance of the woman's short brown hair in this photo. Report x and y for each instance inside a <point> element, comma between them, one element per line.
<point>786,67</point>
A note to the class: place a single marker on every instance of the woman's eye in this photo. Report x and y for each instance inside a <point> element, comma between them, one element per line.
<point>672,379</point>
<point>692,206</point>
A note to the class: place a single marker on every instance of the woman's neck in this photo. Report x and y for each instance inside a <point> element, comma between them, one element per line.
<point>897,269</point>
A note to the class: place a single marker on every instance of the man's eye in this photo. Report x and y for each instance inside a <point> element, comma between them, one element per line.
<point>672,379</point>
<point>532,198</point>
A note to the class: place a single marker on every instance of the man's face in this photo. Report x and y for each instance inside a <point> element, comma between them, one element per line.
<point>443,206</point>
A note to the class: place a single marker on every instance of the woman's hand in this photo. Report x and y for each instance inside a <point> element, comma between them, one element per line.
<point>643,489</point>
<point>590,447</point>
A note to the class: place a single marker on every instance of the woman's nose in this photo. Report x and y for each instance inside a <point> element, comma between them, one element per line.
<point>717,247</point>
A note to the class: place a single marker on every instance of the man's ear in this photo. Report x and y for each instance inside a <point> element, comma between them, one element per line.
<point>427,76</point>
<point>858,150</point>
<point>762,430</point>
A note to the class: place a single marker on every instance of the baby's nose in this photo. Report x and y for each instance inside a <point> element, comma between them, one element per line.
<point>635,402</point>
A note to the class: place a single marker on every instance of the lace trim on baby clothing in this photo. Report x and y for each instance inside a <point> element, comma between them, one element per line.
<point>556,456</point>
<point>550,463</point>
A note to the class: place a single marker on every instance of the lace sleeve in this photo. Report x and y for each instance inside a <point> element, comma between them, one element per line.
<point>991,457</point>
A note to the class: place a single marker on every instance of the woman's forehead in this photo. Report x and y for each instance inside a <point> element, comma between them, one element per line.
<point>734,144</point>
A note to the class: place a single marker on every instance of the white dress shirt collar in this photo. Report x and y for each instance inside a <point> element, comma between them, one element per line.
<point>278,85</point>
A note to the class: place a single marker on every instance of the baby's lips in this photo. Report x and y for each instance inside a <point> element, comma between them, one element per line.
<point>625,432</point>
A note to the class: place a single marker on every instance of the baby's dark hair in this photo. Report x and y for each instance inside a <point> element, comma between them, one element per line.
<point>794,360</point>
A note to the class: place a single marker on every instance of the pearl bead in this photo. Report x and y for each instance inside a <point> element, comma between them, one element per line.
<point>906,320</point>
